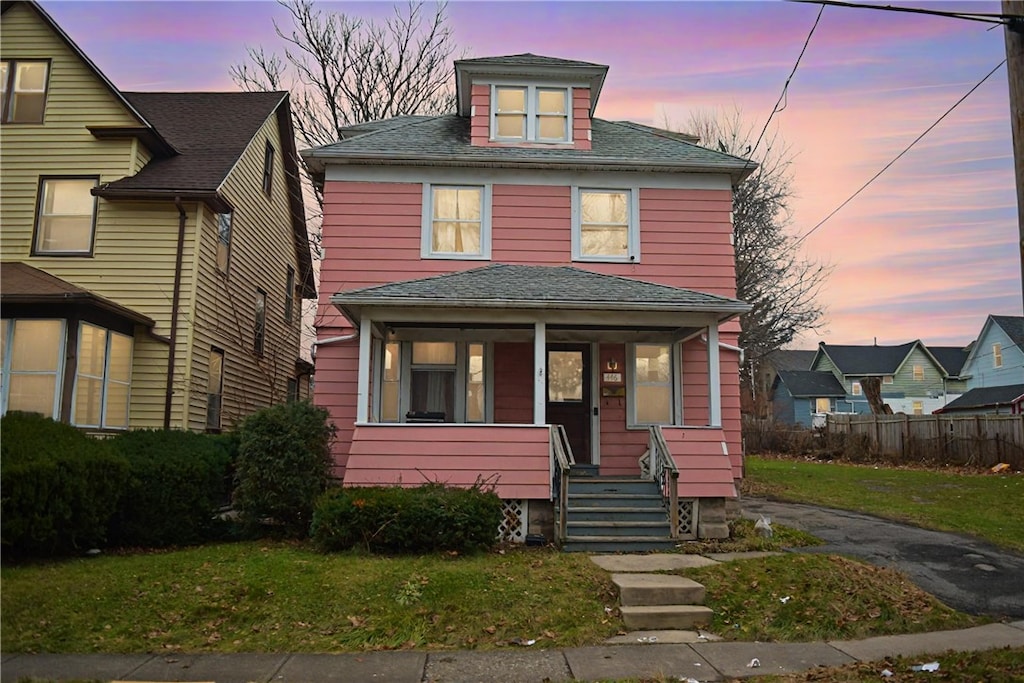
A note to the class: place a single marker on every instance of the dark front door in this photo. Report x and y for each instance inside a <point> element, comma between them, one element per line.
<point>568,402</point>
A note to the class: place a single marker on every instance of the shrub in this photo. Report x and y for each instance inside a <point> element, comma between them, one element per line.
<point>60,487</point>
<point>176,483</point>
<point>284,464</point>
<point>428,518</point>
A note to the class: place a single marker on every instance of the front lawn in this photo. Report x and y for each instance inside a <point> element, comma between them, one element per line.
<point>988,506</point>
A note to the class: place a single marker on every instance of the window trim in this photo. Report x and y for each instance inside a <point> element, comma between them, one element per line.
<point>259,323</point>
<point>632,229</point>
<point>675,387</point>
<point>40,200</point>
<point>105,379</point>
<point>531,114</point>
<point>268,168</point>
<point>427,223</point>
<point>8,98</point>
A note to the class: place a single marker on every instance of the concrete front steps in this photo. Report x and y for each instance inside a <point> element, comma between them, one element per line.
<point>615,514</point>
<point>661,601</point>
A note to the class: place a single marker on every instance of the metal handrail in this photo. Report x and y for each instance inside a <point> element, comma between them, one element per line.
<point>665,472</point>
<point>561,453</point>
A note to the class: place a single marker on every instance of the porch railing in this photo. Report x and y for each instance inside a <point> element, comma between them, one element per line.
<point>562,459</point>
<point>663,470</point>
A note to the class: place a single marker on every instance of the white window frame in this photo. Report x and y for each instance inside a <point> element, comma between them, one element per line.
<point>532,113</point>
<point>7,372</point>
<point>461,388</point>
<point>427,225</point>
<point>675,380</point>
<point>105,379</point>
<point>997,355</point>
<point>814,407</point>
<point>632,230</point>
<point>918,371</point>
<point>856,389</point>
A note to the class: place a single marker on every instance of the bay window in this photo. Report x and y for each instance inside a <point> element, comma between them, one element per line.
<point>103,379</point>
<point>33,364</point>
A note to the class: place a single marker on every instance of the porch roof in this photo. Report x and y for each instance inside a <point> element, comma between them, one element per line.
<point>502,286</point>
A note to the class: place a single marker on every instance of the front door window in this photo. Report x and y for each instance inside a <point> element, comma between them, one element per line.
<point>568,401</point>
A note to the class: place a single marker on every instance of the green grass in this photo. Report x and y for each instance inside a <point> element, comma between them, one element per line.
<point>744,538</point>
<point>797,597</point>
<point>988,506</point>
<point>286,598</point>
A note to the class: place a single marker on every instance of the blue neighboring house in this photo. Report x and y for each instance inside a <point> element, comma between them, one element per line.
<point>997,358</point>
<point>797,395</point>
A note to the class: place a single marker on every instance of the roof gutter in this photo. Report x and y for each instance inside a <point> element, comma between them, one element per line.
<point>214,199</point>
<point>727,308</point>
<point>723,345</point>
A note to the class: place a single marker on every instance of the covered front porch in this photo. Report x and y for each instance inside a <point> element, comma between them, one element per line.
<point>518,390</point>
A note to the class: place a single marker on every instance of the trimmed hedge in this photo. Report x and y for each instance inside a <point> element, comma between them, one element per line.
<point>177,482</point>
<point>60,487</point>
<point>427,518</point>
<point>284,464</point>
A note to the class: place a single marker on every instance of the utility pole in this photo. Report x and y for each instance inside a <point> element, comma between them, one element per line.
<point>1015,74</point>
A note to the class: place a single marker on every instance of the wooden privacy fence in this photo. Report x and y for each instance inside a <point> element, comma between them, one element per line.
<point>979,440</point>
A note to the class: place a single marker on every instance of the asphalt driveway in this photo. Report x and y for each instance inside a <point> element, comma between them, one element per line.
<point>965,573</point>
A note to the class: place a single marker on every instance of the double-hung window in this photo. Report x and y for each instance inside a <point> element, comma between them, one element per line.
<point>605,225</point>
<point>223,241</point>
<point>103,381</point>
<point>997,355</point>
<point>23,90</point>
<point>653,395</point>
<point>260,326</point>
<point>66,216</point>
<point>918,373</point>
<point>530,114</point>
<point>33,365</point>
<point>456,222</point>
<point>427,381</point>
<point>268,167</point>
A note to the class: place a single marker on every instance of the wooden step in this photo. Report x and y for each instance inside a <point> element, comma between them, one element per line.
<point>656,617</point>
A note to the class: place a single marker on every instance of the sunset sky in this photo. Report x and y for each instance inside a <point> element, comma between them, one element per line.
<point>925,252</point>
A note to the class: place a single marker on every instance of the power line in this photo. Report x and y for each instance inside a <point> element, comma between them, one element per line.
<point>984,17</point>
<point>898,156</point>
<point>785,86</point>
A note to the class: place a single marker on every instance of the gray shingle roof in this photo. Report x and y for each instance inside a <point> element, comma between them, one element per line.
<point>514,286</point>
<point>951,358</point>
<point>615,146</point>
<point>983,397</point>
<point>785,359</point>
<point>1013,326</point>
<point>867,360</point>
<point>528,59</point>
<point>811,384</point>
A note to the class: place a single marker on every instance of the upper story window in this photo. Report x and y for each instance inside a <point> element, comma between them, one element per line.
<point>855,389</point>
<point>66,216</point>
<point>23,90</point>
<point>605,225</point>
<point>997,355</point>
<point>289,294</point>
<point>223,241</point>
<point>918,373</point>
<point>456,222</point>
<point>260,327</point>
<point>530,113</point>
<point>268,167</point>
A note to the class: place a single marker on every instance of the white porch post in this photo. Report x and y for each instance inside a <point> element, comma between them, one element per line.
<point>539,371</point>
<point>714,378</point>
<point>363,378</point>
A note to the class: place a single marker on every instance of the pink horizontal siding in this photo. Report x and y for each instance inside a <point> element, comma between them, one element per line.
<point>581,118</point>
<point>621,448</point>
<point>513,383</point>
<point>480,122</point>
<point>515,459</point>
<point>705,471</point>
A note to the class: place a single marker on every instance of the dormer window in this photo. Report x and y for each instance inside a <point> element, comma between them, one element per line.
<point>530,113</point>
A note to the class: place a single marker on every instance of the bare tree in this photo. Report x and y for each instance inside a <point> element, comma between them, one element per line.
<point>771,275</point>
<point>343,70</point>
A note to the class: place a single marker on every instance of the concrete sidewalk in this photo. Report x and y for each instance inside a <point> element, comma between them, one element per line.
<point>712,661</point>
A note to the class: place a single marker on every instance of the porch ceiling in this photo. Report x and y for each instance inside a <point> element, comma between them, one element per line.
<point>513,293</point>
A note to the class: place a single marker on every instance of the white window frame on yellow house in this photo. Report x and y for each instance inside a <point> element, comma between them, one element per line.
<point>531,115</point>
<point>9,332</point>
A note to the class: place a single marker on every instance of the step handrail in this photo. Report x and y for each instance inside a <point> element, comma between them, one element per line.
<point>666,474</point>
<point>562,459</point>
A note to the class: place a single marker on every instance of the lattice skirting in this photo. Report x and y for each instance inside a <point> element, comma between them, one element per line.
<point>514,520</point>
<point>687,519</point>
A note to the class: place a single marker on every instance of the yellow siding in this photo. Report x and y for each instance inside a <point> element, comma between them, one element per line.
<point>261,251</point>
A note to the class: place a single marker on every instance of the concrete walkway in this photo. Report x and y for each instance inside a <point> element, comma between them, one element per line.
<point>710,661</point>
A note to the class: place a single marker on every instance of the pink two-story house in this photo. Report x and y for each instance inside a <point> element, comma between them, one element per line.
<point>528,296</point>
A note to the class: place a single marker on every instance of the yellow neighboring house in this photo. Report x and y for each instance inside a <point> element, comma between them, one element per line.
<point>154,245</point>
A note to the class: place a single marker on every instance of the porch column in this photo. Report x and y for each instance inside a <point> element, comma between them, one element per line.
<point>539,369</point>
<point>714,378</point>
<point>363,378</point>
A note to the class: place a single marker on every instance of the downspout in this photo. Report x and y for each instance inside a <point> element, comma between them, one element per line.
<point>175,302</point>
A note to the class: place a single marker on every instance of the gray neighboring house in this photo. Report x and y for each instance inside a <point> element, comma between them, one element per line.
<point>1001,400</point>
<point>799,395</point>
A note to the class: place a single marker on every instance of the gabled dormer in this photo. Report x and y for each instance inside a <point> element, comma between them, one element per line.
<point>528,100</point>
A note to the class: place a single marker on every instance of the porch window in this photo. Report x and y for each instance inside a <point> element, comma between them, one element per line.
<point>32,362</point>
<point>652,390</point>
<point>605,225</point>
<point>456,222</point>
<point>103,380</point>
<point>66,216</point>
<point>432,382</point>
